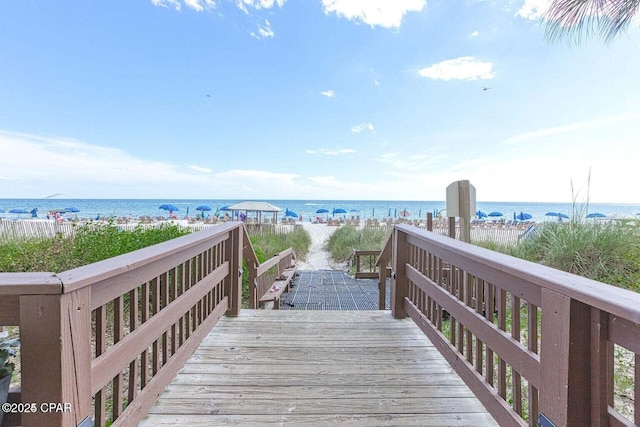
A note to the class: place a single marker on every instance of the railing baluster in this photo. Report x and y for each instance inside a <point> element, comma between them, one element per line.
<point>469,279</point>
<point>479,307</point>
<point>502,325</point>
<point>118,332</point>
<point>101,347</point>
<point>516,378</point>
<point>532,338</point>
<point>173,277</point>
<point>488,314</point>
<point>133,324</point>
<point>155,308</point>
<point>144,357</point>
<point>164,295</point>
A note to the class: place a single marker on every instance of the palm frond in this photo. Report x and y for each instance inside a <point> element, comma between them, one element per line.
<point>580,19</point>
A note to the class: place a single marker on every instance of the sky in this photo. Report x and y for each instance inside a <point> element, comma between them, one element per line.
<point>313,99</point>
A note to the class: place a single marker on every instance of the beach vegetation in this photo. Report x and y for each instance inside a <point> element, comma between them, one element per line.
<point>91,243</point>
<point>266,245</point>
<point>341,243</point>
<point>271,244</point>
<point>606,252</point>
<point>583,18</point>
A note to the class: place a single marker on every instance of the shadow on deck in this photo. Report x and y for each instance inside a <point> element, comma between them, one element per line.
<point>270,367</point>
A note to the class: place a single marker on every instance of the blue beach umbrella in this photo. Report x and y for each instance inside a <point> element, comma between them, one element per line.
<point>1,211</point>
<point>204,208</point>
<point>71,209</point>
<point>522,216</point>
<point>481,214</point>
<point>168,207</point>
<point>18,211</point>
<point>322,210</point>
<point>354,210</point>
<point>495,214</point>
<point>561,215</point>
<point>339,211</point>
<point>292,214</point>
<point>551,214</point>
<point>596,215</point>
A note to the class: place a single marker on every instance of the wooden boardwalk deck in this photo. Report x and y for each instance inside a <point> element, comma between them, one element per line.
<point>269,367</point>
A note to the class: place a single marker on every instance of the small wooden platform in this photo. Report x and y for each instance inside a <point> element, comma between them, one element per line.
<point>353,368</point>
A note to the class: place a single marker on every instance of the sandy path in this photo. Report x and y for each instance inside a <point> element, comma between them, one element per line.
<point>318,258</point>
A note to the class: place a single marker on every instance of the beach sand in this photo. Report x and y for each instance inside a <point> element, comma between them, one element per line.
<point>318,258</point>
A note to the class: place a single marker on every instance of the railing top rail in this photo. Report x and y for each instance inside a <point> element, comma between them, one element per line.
<point>365,252</point>
<point>385,254</point>
<point>30,284</point>
<point>273,261</point>
<point>614,300</point>
<point>102,270</point>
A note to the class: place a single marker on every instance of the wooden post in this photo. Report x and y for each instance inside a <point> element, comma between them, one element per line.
<point>565,362</point>
<point>233,283</point>
<point>253,288</point>
<point>399,280</point>
<point>55,333</point>
<point>452,227</point>
<point>429,221</point>
<point>464,212</point>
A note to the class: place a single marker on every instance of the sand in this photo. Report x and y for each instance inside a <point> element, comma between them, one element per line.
<point>318,258</point>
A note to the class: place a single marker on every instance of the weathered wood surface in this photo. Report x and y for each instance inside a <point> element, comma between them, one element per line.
<point>317,368</point>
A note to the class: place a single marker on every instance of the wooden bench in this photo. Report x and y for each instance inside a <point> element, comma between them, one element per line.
<point>280,285</point>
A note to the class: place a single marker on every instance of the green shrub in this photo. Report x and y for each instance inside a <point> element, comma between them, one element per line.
<point>96,242</point>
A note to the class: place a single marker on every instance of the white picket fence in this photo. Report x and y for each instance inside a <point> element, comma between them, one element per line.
<point>17,230</point>
<point>507,234</point>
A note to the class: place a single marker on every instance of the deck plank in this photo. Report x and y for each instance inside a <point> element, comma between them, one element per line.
<point>357,368</point>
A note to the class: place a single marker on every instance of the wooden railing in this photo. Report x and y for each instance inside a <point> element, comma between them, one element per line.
<point>365,263</point>
<point>104,340</point>
<point>533,343</point>
<point>262,276</point>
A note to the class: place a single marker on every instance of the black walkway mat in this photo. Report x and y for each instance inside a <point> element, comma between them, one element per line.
<point>332,290</point>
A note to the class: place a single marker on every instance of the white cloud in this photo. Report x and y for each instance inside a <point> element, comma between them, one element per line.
<point>264,31</point>
<point>165,3</point>
<point>383,13</point>
<point>463,68</point>
<point>376,82</point>
<point>573,127</point>
<point>33,166</point>
<point>200,169</point>
<point>197,5</point>
<point>363,126</point>
<point>475,34</point>
<point>533,9</point>
<point>332,152</point>
<point>329,93</point>
<point>244,5</point>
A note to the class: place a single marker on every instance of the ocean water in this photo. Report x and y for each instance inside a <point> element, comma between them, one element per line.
<point>365,209</point>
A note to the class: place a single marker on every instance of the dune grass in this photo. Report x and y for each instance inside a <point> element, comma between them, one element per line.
<point>606,252</point>
<point>346,238</point>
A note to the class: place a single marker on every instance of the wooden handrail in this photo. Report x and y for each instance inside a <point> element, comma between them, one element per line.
<point>470,301</point>
<point>263,276</point>
<point>118,330</point>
